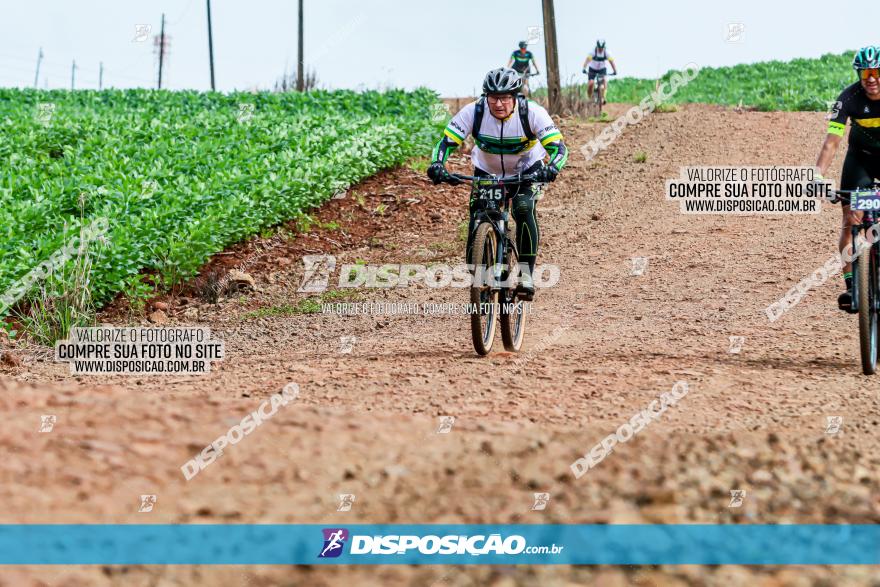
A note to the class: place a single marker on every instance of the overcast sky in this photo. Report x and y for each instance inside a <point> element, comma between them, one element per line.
<point>404,43</point>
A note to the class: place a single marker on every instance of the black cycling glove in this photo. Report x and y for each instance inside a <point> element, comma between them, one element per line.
<point>438,174</point>
<point>546,174</point>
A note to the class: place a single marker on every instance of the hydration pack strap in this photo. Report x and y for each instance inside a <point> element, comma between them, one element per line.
<point>522,106</point>
<point>478,116</point>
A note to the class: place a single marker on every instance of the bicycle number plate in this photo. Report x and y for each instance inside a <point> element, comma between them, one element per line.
<point>868,201</point>
<point>493,193</point>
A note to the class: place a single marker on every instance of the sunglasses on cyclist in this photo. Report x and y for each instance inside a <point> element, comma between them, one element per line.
<point>866,73</point>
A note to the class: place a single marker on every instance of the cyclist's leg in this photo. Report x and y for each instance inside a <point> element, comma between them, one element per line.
<point>527,233</point>
<point>855,175</point>
<point>591,76</point>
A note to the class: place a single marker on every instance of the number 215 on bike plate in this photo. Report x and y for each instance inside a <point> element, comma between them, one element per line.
<point>491,193</point>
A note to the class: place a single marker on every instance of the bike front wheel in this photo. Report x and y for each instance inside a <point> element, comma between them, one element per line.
<point>867,297</point>
<point>484,298</point>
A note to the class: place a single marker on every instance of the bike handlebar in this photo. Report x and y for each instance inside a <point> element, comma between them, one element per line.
<point>844,194</point>
<point>518,178</point>
<point>861,190</point>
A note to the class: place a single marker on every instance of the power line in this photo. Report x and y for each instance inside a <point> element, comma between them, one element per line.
<point>56,65</point>
<point>182,14</point>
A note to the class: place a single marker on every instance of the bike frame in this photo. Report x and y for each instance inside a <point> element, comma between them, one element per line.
<point>600,83</point>
<point>869,218</point>
<point>497,213</point>
<point>599,88</point>
<point>525,78</point>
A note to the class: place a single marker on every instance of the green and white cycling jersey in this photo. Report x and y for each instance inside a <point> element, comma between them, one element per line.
<point>502,147</point>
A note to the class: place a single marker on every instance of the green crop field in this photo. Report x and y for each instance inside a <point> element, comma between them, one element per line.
<point>181,175</point>
<point>799,84</point>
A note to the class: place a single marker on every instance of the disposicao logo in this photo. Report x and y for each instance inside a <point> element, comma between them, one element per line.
<point>334,541</point>
<point>393,544</point>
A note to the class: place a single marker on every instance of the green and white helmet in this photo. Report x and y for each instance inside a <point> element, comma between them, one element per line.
<point>867,58</point>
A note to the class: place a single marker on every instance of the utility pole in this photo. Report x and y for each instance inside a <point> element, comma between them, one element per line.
<point>73,75</point>
<point>39,60</point>
<point>211,46</point>
<point>300,82</point>
<point>161,49</point>
<point>553,90</point>
<point>101,75</point>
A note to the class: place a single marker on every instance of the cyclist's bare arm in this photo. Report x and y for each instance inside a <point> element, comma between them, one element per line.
<point>535,63</point>
<point>510,62</point>
<point>587,61</point>
<point>827,152</point>
<point>613,67</point>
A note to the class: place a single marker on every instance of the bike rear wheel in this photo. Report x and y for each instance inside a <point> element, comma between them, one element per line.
<point>513,315</point>
<point>484,300</point>
<point>867,286</point>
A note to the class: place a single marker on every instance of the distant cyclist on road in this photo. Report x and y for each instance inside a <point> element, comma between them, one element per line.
<point>594,65</point>
<point>511,135</point>
<point>859,102</point>
<point>521,61</point>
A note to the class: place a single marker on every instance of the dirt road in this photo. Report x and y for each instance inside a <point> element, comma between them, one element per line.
<point>601,346</point>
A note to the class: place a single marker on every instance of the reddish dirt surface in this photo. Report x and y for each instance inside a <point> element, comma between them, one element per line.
<point>600,347</point>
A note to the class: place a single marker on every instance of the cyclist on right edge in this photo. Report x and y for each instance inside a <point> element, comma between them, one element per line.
<point>595,61</point>
<point>861,103</point>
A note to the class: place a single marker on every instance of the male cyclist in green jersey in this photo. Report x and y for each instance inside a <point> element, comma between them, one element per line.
<point>859,102</point>
<point>594,65</point>
<point>511,135</point>
<point>521,61</point>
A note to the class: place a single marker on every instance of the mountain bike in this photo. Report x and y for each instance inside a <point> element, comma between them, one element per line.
<point>866,270</point>
<point>495,262</point>
<point>599,89</point>
<point>525,78</point>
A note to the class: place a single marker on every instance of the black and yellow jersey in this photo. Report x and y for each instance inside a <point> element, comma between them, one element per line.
<point>853,103</point>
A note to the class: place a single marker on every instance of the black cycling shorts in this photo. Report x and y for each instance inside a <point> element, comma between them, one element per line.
<point>860,169</point>
<point>592,73</point>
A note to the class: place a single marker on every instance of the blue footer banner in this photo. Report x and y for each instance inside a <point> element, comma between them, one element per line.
<point>432,544</point>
